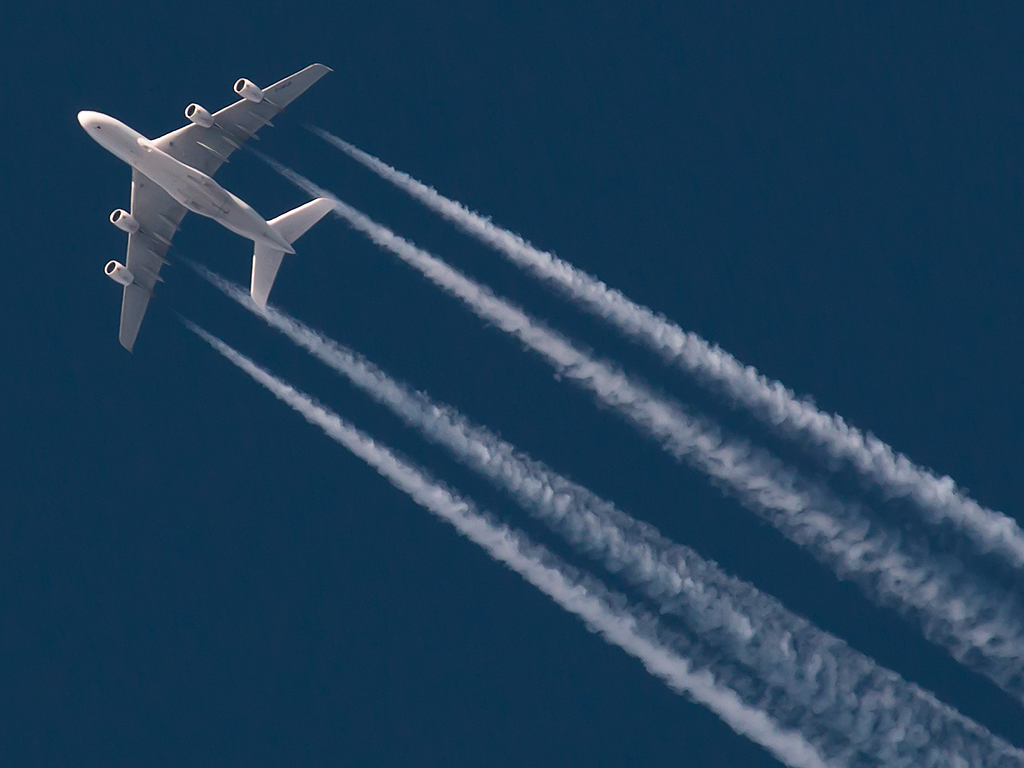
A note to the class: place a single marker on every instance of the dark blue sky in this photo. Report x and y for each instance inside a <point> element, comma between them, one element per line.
<point>191,575</point>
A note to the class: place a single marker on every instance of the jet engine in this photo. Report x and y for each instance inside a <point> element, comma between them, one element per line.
<point>199,116</point>
<point>119,273</point>
<point>124,221</point>
<point>248,90</point>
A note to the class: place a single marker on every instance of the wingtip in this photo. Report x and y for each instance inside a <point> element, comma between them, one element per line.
<point>127,340</point>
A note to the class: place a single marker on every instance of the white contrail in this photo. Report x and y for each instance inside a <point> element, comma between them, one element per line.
<point>770,401</point>
<point>978,622</point>
<point>600,610</point>
<point>814,680</point>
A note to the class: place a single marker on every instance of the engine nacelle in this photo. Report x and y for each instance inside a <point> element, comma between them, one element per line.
<point>119,273</point>
<point>248,90</point>
<point>199,116</point>
<point>124,221</point>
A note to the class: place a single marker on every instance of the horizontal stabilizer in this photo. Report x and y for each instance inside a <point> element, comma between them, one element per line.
<point>291,226</point>
<point>294,224</point>
<point>265,263</point>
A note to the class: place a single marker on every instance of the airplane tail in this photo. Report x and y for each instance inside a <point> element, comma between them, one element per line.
<point>291,226</point>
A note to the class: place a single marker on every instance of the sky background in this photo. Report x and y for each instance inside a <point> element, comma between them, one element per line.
<point>191,575</point>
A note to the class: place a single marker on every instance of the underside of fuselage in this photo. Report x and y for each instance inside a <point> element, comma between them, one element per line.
<point>190,187</point>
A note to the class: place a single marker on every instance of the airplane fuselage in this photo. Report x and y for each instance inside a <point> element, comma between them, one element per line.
<point>190,187</point>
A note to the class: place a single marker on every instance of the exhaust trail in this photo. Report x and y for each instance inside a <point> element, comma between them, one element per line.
<point>793,417</point>
<point>601,611</point>
<point>976,621</point>
<point>814,680</point>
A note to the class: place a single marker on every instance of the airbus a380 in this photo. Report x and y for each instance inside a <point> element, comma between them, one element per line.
<point>171,175</point>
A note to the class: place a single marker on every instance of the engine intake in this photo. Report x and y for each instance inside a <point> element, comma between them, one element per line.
<point>199,116</point>
<point>119,273</point>
<point>124,221</point>
<point>248,90</point>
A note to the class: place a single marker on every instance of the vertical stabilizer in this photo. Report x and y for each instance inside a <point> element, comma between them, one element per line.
<point>291,226</point>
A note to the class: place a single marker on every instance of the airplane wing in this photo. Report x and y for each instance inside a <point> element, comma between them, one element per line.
<point>206,148</point>
<point>159,216</point>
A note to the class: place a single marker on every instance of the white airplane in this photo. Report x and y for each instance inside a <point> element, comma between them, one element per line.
<point>171,176</point>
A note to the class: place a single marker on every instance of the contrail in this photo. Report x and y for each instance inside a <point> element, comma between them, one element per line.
<point>770,401</point>
<point>978,622</point>
<point>813,679</point>
<point>601,610</point>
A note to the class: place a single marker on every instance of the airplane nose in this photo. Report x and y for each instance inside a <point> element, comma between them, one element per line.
<point>86,118</point>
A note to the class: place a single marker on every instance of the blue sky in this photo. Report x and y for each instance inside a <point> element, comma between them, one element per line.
<point>191,574</point>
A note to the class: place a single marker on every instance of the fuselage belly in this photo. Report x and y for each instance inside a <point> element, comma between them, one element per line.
<point>190,187</point>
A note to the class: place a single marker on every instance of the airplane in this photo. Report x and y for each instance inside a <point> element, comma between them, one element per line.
<point>171,175</point>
